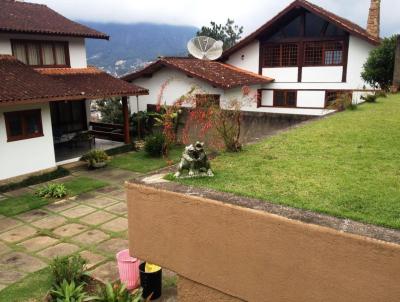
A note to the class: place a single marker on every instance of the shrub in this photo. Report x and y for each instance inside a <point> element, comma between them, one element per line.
<point>69,292</point>
<point>52,191</point>
<point>69,268</point>
<point>370,98</point>
<point>155,144</point>
<point>117,292</point>
<point>94,157</point>
<point>379,68</point>
<point>381,94</point>
<point>343,102</point>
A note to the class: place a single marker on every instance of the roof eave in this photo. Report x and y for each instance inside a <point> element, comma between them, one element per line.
<point>35,32</point>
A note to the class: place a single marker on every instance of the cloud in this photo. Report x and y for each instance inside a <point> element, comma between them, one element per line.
<point>250,13</point>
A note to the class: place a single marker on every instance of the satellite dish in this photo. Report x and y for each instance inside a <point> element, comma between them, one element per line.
<point>205,48</point>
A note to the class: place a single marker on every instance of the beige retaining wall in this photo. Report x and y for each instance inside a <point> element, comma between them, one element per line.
<point>257,256</point>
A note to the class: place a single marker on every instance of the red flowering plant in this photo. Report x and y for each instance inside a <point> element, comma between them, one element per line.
<point>207,119</point>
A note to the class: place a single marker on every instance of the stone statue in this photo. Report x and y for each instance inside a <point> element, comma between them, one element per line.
<point>195,161</point>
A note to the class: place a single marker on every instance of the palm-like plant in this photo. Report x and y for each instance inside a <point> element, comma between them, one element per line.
<point>69,292</point>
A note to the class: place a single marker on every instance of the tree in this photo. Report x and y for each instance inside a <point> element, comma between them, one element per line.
<point>111,111</point>
<point>230,33</point>
<point>379,68</point>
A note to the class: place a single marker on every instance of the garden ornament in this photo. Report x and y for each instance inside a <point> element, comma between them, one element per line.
<point>195,161</point>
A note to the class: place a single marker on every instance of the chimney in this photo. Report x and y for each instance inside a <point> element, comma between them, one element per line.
<point>373,25</point>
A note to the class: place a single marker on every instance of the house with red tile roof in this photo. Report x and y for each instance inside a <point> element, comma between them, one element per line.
<point>298,63</point>
<point>46,88</point>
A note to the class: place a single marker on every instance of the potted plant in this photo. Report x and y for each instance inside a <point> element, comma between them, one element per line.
<point>96,159</point>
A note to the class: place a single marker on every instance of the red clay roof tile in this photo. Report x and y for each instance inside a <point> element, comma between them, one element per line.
<point>21,84</point>
<point>23,17</point>
<point>216,73</point>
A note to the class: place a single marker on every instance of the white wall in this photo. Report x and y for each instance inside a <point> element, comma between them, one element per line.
<point>323,74</point>
<point>358,55</point>
<point>30,155</point>
<point>313,99</point>
<point>282,74</point>
<point>77,50</point>
<point>178,85</point>
<point>250,59</point>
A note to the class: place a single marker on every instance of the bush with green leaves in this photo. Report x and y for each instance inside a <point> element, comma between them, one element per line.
<point>155,144</point>
<point>370,98</point>
<point>343,102</point>
<point>95,157</point>
<point>117,292</point>
<point>379,68</point>
<point>69,292</point>
<point>69,268</point>
<point>52,191</point>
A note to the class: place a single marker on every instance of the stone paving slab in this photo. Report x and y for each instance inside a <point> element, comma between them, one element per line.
<point>69,230</point>
<point>90,237</point>
<point>59,250</point>
<point>108,189</point>
<point>2,197</point>
<point>100,202</point>
<point>117,225</point>
<point>121,195</point>
<point>22,262</point>
<point>107,272</point>
<point>18,234</point>
<point>84,196</point>
<point>92,258</point>
<point>77,211</point>
<point>38,243</point>
<point>4,248</point>
<point>32,215</point>
<point>119,208</point>
<point>61,205</point>
<point>97,218</point>
<point>113,246</point>
<point>10,276</point>
<point>7,223</point>
<point>50,222</point>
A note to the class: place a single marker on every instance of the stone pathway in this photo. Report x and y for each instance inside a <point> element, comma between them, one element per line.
<point>93,224</point>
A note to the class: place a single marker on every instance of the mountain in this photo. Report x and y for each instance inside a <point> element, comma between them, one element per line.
<point>133,45</point>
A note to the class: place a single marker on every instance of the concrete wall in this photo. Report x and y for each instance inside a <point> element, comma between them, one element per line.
<point>77,48</point>
<point>246,58</point>
<point>257,256</point>
<point>29,155</point>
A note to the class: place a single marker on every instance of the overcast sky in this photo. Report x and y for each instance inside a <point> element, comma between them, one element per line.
<point>249,13</point>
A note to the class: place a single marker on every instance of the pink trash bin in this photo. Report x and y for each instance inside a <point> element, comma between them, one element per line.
<point>128,268</point>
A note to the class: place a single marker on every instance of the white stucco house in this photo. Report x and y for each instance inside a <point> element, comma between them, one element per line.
<point>46,87</point>
<point>306,56</point>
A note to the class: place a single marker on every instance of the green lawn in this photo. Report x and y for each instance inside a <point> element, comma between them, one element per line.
<point>32,288</point>
<point>17,205</point>
<point>346,165</point>
<point>142,163</point>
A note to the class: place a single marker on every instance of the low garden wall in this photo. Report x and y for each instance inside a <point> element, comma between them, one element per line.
<point>233,253</point>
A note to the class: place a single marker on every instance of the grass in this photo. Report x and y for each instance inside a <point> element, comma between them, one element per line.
<point>32,288</point>
<point>142,163</point>
<point>346,165</point>
<point>16,205</point>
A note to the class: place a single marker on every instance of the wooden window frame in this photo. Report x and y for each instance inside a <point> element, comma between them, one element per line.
<point>39,43</point>
<point>324,49</point>
<point>285,91</point>
<point>23,114</point>
<point>281,46</point>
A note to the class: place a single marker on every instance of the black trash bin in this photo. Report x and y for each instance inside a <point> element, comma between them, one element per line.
<point>150,282</point>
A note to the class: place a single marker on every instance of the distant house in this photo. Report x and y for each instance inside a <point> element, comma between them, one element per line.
<point>46,88</point>
<point>298,62</point>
